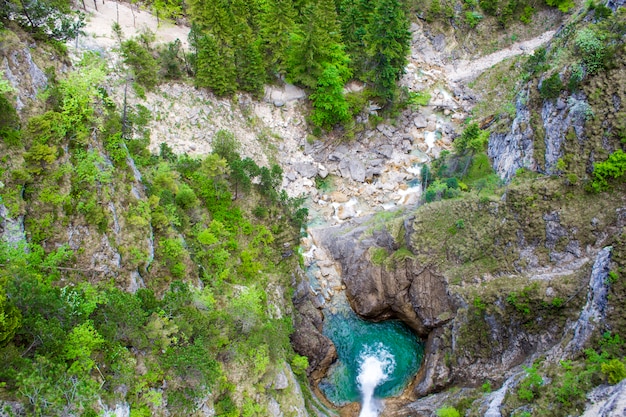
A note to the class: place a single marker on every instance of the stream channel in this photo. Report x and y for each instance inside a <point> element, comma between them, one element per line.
<point>375,360</point>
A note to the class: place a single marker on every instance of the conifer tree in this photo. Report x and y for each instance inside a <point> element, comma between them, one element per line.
<point>215,66</point>
<point>329,104</point>
<point>248,59</point>
<point>354,16</point>
<point>277,23</point>
<point>387,39</point>
<point>317,43</point>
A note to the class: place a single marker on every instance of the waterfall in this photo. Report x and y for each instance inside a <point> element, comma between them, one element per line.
<point>377,364</point>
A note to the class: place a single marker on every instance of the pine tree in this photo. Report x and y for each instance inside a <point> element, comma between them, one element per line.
<point>277,23</point>
<point>215,66</point>
<point>387,41</point>
<point>316,44</point>
<point>329,104</point>
<point>354,16</point>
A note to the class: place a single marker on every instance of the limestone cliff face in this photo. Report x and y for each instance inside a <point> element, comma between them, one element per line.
<point>406,290</point>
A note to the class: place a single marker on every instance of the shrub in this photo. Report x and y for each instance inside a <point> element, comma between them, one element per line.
<point>473,18</point>
<point>576,76</point>
<point>592,48</point>
<point>563,5</point>
<point>527,15</point>
<point>613,167</point>
<point>448,412</point>
<point>615,370</point>
<point>299,364</point>
<point>551,87</point>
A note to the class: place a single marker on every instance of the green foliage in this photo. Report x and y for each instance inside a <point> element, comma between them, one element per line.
<point>563,5</point>
<point>9,120</point>
<point>576,76</point>
<point>171,60</point>
<point>448,412</point>
<point>527,15</point>
<point>417,99</point>
<point>530,386</point>
<point>48,19</point>
<point>536,63</point>
<point>613,168</point>
<point>329,104</point>
<point>592,49</point>
<point>226,145</point>
<point>434,11</point>
<point>615,371</point>
<point>299,364</point>
<point>10,319</point>
<point>551,87</point>
<point>473,18</point>
<point>142,63</point>
<point>473,139</point>
<point>387,39</point>
<point>215,66</point>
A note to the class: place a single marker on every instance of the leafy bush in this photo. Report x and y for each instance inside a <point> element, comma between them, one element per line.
<point>448,412</point>
<point>615,370</point>
<point>592,49</point>
<point>563,5</point>
<point>529,387</point>
<point>527,15</point>
<point>551,87</point>
<point>473,18</point>
<point>614,167</point>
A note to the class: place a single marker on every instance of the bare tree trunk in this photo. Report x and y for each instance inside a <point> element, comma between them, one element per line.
<point>95,4</point>
<point>117,10</point>
<point>32,25</point>
<point>84,6</point>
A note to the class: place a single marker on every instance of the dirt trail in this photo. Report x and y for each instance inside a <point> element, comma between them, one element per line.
<point>100,23</point>
<point>465,70</point>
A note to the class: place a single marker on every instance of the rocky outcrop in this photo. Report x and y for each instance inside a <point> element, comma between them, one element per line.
<point>403,290</point>
<point>11,229</point>
<point>513,150</point>
<point>594,311</point>
<point>607,401</point>
<point>307,338</point>
<point>518,147</point>
<point>23,74</point>
<point>558,117</point>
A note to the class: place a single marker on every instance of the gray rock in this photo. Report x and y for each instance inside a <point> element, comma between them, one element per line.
<point>513,150</point>
<point>594,311</point>
<point>280,381</point>
<point>306,169</point>
<point>556,123</point>
<point>274,408</point>
<point>11,229</point>
<point>385,150</point>
<point>420,121</point>
<point>357,170</point>
<point>608,401</point>
<point>344,168</point>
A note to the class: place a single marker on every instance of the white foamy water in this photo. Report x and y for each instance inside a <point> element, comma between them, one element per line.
<point>376,366</point>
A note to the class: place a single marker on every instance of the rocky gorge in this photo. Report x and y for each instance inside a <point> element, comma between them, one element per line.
<point>490,283</point>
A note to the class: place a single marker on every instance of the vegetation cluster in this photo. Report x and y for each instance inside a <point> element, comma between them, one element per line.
<point>202,239</point>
